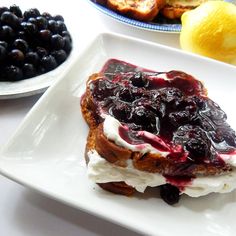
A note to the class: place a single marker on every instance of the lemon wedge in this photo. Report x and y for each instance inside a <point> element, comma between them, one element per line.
<point>210,30</point>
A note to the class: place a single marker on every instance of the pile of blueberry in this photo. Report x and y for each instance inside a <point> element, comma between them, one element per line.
<point>31,43</point>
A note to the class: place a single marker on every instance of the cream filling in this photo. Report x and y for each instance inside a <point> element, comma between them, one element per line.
<point>101,171</point>
<point>111,131</point>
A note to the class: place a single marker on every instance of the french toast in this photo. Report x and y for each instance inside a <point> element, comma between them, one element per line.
<point>143,10</point>
<point>156,126</point>
<point>174,9</point>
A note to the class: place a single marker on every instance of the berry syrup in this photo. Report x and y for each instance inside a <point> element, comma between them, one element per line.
<point>170,111</point>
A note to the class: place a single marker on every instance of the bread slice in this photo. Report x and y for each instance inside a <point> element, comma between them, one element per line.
<point>193,129</point>
<point>143,10</point>
<point>174,9</point>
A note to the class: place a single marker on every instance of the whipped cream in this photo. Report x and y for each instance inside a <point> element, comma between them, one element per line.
<point>101,171</point>
<point>111,131</point>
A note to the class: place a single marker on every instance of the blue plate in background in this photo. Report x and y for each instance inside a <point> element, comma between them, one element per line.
<point>162,27</point>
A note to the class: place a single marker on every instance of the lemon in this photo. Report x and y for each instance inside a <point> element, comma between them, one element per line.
<point>210,30</point>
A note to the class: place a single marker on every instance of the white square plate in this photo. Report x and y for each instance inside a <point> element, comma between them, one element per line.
<point>47,151</point>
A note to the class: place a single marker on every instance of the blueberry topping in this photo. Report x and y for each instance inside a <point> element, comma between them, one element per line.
<point>170,194</point>
<point>178,114</point>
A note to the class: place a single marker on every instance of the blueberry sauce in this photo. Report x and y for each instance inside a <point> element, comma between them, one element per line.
<point>170,111</point>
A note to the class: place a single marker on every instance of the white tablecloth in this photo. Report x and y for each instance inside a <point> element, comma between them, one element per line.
<point>22,211</point>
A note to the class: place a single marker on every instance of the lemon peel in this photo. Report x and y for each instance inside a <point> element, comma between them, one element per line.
<point>210,30</point>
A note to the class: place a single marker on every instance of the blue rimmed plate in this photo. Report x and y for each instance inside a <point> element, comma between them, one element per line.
<point>162,27</point>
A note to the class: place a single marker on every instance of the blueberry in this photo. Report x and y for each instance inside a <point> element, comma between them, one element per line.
<point>171,95</point>
<point>49,62</point>
<point>61,26</point>
<point>32,20</point>
<point>125,95</point>
<point>120,111</point>
<point>58,18</point>
<point>197,148</point>
<point>170,194</point>
<point>16,10</point>
<point>3,9</point>
<point>229,135</point>
<point>3,53</point>
<point>57,41</point>
<point>180,117</point>
<point>33,12</point>
<point>67,46</point>
<point>12,73</point>
<point>53,26</point>
<point>42,52</point>
<point>102,89</point>
<point>16,56</point>
<point>21,45</point>
<point>60,56</point>
<point>41,70</point>
<point>139,80</point>
<point>28,70</point>
<point>4,44</point>
<point>45,35</point>
<point>67,34</point>
<point>22,35</point>
<point>32,58</point>
<point>6,33</point>
<point>29,28</point>
<point>142,116</point>
<point>10,19</point>
<point>41,22</point>
<point>47,15</point>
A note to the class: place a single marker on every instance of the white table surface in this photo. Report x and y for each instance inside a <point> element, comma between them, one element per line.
<point>24,212</point>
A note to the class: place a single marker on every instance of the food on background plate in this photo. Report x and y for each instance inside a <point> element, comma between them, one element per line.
<point>150,129</point>
<point>174,9</point>
<point>144,10</point>
<point>151,10</point>
<point>204,34</point>
<point>31,43</point>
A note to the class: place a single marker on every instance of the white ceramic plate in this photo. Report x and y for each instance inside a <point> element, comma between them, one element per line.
<point>47,151</point>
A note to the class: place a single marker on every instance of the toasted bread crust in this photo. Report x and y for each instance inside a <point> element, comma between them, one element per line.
<point>171,12</point>
<point>112,155</point>
<point>143,10</point>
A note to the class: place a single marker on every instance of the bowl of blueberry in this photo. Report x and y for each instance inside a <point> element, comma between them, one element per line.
<point>34,47</point>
